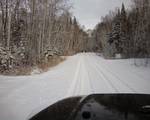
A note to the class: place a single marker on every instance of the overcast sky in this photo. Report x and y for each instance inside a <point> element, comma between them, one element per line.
<point>89,12</point>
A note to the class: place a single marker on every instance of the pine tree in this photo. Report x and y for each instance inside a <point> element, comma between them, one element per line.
<point>116,34</point>
<point>118,37</point>
<point>123,32</point>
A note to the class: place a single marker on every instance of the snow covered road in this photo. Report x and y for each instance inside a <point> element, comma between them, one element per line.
<point>82,74</point>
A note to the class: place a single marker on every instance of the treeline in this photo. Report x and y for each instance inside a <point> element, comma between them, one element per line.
<point>125,34</point>
<point>32,31</point>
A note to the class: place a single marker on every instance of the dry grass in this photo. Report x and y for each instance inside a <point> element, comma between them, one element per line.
<point>53,61</point>
<point>27,70</point>
<point>17,71</point>
<point>23,70</point>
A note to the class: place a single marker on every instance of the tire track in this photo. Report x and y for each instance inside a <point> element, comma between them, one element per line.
<point>89,77</point>
<point>73,86</point>
<point>117,77</point>
<point>104,77</point>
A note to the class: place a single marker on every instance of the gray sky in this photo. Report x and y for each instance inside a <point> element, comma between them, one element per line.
<point>89,12</point>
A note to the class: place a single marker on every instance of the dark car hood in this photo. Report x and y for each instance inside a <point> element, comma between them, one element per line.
<point>103,106</point>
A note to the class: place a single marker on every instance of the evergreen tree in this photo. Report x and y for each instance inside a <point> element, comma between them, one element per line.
<point>118,37</point>
<point>115,35</point>
<point>124,32</point>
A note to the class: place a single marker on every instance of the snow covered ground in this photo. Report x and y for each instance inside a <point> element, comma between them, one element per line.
<point>82,74</point>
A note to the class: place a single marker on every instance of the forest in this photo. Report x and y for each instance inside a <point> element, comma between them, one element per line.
<point>125,33</point>
<point>33,32</point>
<point>38,32</point>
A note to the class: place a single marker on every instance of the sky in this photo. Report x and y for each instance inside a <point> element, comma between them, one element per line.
<point>89,12</point>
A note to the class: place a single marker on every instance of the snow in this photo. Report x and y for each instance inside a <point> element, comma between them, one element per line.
<point>83,74</point>
<point>36,70</point>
